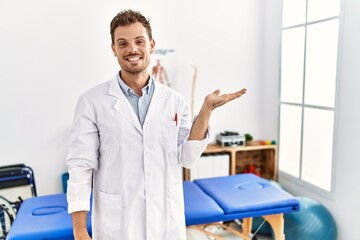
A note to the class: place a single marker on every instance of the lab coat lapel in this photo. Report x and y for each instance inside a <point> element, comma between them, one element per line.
<point>157,102</point>
<point>122,105</point>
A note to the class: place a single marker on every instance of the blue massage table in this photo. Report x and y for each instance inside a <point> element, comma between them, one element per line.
<point>43,218</point>
<point>211,201</point>
<point>207,201</point>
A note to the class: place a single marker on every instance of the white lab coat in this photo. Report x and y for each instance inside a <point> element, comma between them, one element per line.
<point>136,172</point>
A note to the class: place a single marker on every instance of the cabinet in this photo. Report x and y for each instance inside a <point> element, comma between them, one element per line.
<point>260,159</point>
<point>210,165</point>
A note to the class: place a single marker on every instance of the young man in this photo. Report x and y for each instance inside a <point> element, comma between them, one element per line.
<point>131,137</point>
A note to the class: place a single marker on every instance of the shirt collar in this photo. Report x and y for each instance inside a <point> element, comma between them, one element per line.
<point>127,90</point>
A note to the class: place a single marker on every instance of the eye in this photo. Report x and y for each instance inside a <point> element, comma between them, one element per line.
<point>122,44</point>
<point>140,42</point>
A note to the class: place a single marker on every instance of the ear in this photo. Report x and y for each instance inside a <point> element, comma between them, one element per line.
<point>113,49</point>
<point>152,46</point>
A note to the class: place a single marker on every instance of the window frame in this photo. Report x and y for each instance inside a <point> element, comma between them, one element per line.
<point>298,181</point>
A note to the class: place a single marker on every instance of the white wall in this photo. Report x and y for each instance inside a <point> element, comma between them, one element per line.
<point>344,204</point>
<point>51,51</point>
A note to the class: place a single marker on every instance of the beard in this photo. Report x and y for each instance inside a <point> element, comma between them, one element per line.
<point>139,68</point>
<point>134,70</point>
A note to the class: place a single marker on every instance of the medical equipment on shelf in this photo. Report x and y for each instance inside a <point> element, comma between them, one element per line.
<point>230,139</point>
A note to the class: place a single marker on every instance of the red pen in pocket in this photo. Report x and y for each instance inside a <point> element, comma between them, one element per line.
<point>176,119</point>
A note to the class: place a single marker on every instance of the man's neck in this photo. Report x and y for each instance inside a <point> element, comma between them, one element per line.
<point>135,81</point>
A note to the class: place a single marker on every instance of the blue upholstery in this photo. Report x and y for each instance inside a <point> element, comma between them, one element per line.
<point>239,196</point>
<point>246,192</point>
<point>199,207</point>
<point>43,217</point>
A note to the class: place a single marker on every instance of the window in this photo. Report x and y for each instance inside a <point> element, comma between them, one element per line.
<point>308,86</point>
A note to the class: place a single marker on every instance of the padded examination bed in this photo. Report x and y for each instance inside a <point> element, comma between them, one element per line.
<point>241,196</point>
<point>211,200</point>
<point>43,217</point>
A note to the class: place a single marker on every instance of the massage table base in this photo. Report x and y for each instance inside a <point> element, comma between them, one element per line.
<point>276,222</point>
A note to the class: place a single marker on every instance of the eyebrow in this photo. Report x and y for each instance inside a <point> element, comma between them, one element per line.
<point>123,39</point>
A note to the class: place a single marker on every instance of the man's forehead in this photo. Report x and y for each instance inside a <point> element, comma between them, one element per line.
<point>131,31</point>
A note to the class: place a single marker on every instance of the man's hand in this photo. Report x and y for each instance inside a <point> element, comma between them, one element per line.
<point>82,236</point>
<point>212,101</point>
<point>215,100</point>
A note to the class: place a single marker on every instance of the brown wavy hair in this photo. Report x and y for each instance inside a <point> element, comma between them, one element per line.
<point>127,17</point>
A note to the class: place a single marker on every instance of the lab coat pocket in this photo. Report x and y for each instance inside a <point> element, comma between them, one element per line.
<point>108,213</point>
<point>169,136</point>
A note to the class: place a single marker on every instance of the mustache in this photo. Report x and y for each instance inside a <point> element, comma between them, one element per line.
<point>133,55</point>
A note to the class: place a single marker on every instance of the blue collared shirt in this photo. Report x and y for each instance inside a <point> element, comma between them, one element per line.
<point>139,104</point>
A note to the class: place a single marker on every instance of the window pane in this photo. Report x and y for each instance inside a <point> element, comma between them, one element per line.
<point>321,61</point>
<point>292,65</point>
<point>290,139</point>
<point>317,147</point>
<point>294,12</point>
<point>320,9</point>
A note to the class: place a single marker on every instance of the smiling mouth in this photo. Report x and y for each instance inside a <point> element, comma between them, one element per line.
<point>133,59</point>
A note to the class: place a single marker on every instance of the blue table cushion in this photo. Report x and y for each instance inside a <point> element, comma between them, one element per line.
<point>247,193</point>
<point>43,217</point>
<point>199,207</point>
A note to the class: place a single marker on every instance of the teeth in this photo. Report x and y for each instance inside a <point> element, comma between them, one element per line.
<point>134,59</point>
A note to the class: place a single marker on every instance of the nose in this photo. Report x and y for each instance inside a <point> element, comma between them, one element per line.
<point>133,48</point>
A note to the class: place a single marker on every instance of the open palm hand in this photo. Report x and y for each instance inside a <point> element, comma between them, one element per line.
<point>215,100</point>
